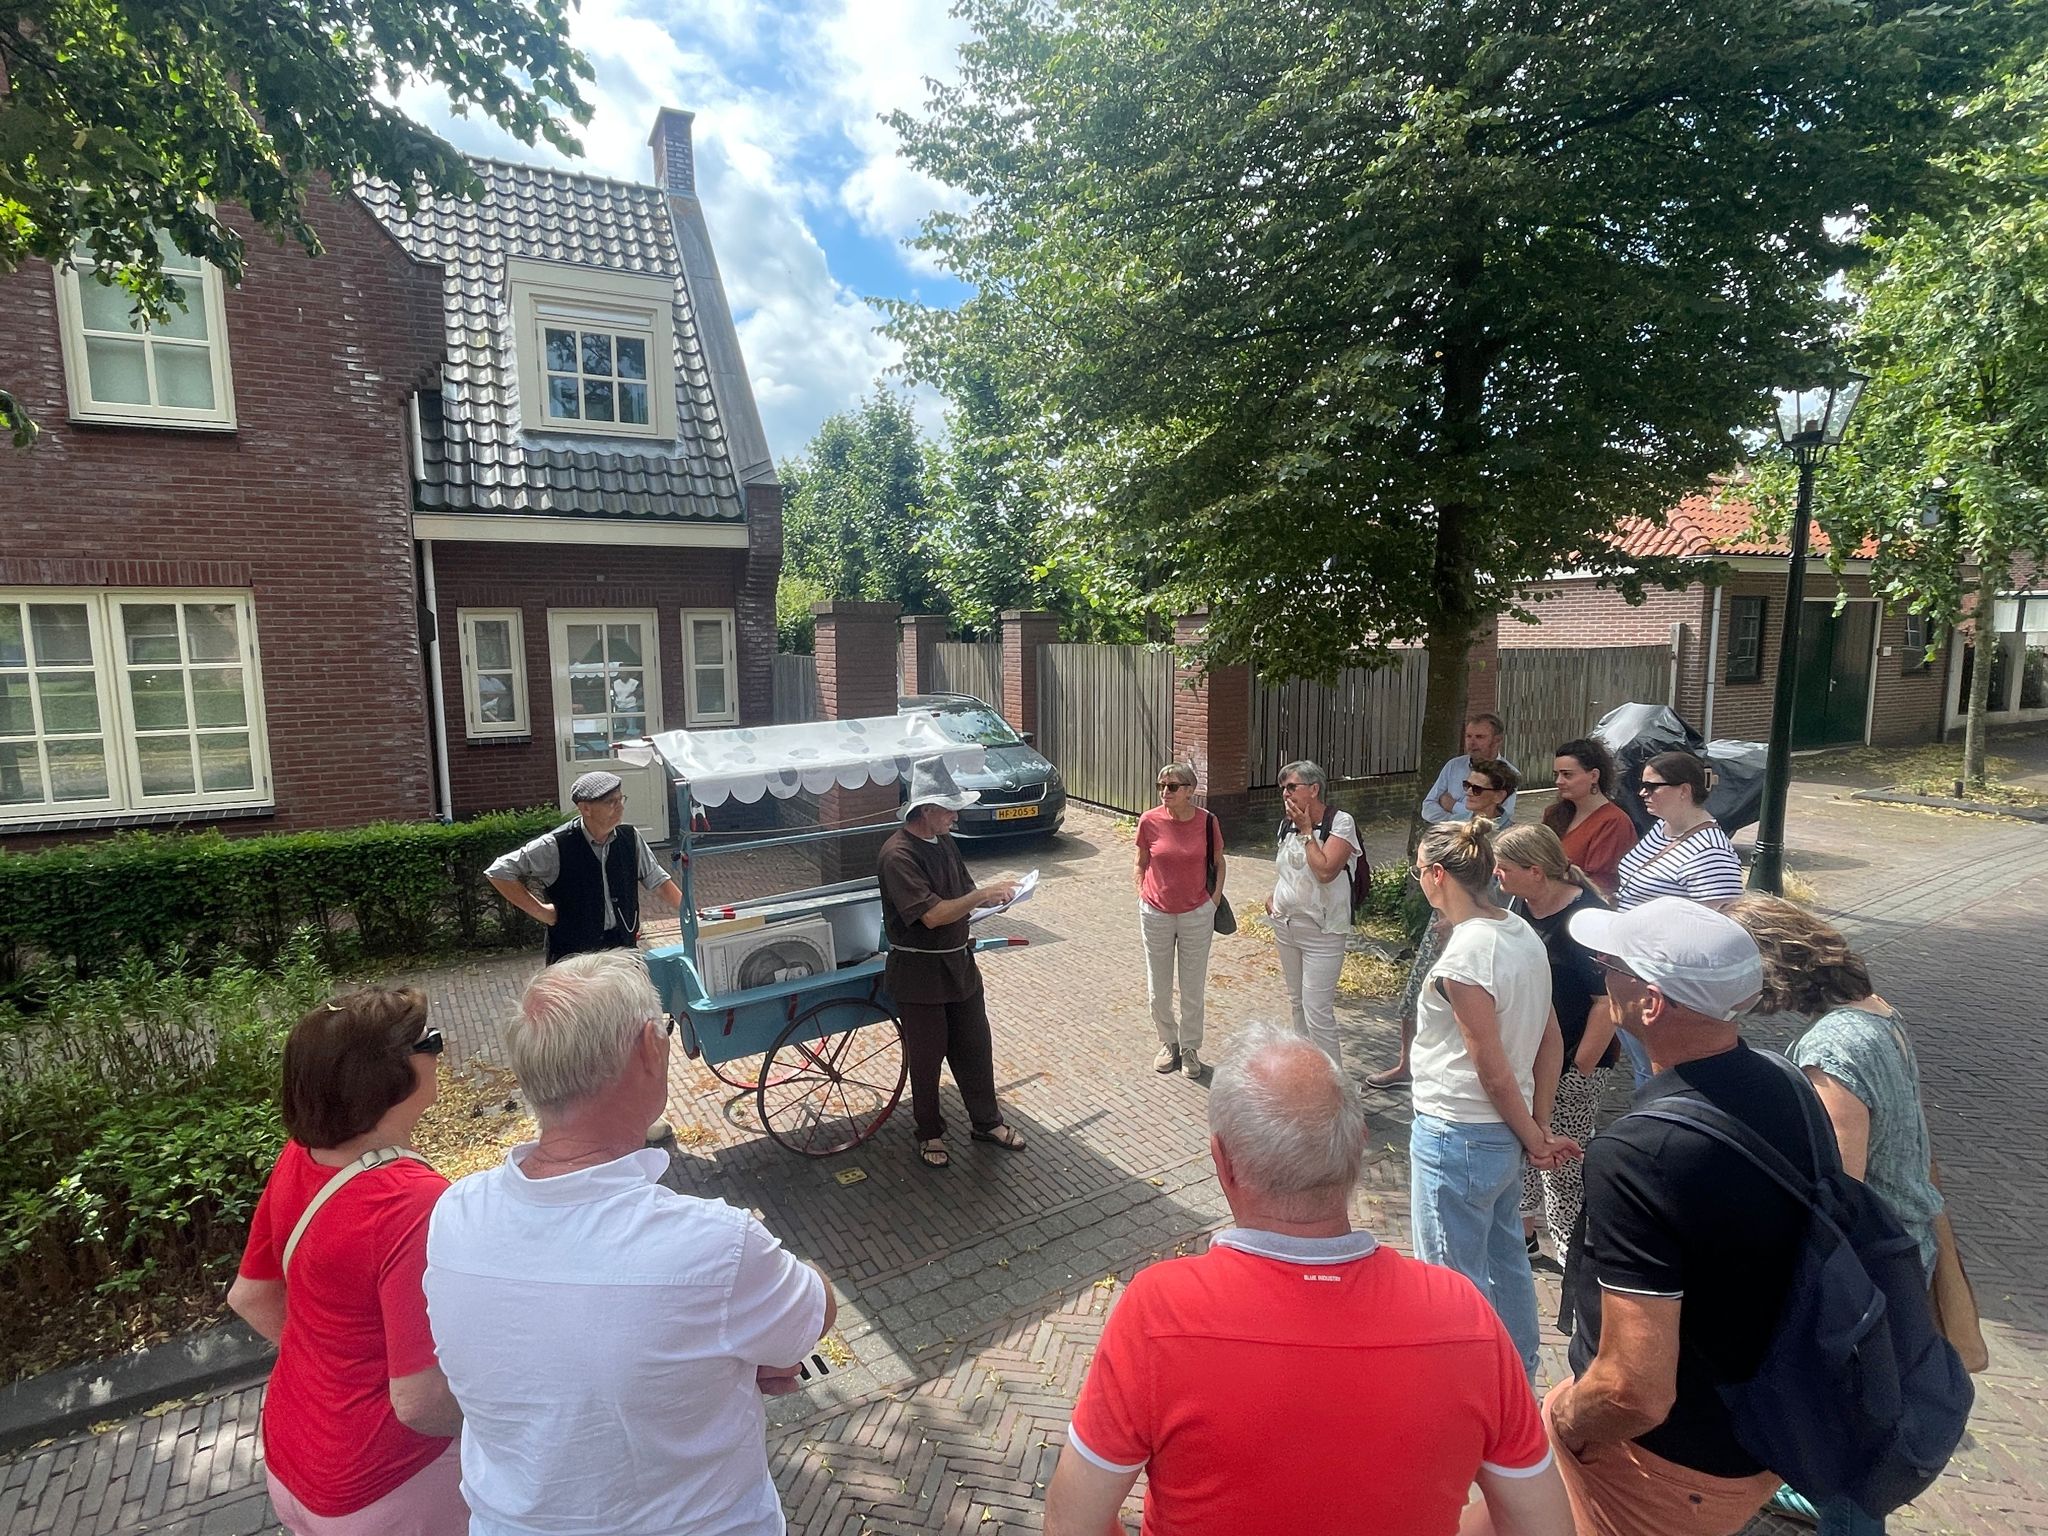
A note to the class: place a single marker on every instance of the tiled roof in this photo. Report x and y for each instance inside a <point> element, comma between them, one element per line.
<point>475,455</point>
<point>1706,526</point>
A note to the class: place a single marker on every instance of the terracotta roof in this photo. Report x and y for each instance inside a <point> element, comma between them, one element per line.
<point>1706,526</point>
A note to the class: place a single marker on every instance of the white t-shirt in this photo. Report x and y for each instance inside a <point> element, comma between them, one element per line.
<point>1298,893</point>
<point>1504,956</point>
<point>601,1335</point>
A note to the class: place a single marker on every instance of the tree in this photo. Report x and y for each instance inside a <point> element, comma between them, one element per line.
<point>1356,317</point>
<point>1946,461</point>
<point>120,119</point>
<point>855,507</point>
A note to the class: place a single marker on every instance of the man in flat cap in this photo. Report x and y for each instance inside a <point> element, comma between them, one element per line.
<point>589,872</point>
<point>927,895</point>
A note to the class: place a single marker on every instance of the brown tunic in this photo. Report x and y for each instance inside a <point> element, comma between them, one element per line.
<point>915,876</point>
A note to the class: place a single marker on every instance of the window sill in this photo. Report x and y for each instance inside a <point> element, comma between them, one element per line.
<point>107,821</point>
<point>509,739</point>
<point>156,423</point>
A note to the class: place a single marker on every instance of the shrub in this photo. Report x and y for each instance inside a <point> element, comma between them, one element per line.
<point>391,889</point>
<point>138,1118</point>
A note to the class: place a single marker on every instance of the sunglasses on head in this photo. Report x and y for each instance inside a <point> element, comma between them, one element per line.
<point>432,1043</point>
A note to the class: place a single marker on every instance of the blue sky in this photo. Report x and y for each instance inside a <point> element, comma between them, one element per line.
<point>808,202</point>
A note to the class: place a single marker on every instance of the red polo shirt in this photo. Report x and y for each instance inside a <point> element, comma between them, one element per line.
<point>1285,1385</point>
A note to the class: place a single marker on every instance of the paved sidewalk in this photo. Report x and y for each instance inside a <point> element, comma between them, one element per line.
<point>973,1297</point>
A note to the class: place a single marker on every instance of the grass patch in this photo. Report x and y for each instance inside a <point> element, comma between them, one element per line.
<point>1367,977</point>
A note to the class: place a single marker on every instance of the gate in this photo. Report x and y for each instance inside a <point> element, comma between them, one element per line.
<point>1105,718</point>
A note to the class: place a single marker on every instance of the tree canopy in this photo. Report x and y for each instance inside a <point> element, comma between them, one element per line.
<point>1356,317</point>
<point>855,507</point>
<point>120,119</point>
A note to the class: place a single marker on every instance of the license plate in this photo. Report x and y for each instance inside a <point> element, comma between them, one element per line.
<point>1016,812</point>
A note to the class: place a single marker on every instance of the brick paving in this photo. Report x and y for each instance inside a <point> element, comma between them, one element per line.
<point>972,1298</point>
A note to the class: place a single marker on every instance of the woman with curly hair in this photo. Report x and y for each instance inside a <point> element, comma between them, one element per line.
<point>1859,1058</point>
<point>1595,831</point>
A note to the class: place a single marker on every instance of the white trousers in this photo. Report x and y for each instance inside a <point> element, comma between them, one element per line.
<point>1311,961</point>
<point>1177,939</point>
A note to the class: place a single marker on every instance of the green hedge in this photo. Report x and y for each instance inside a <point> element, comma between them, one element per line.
<point>388,890</point>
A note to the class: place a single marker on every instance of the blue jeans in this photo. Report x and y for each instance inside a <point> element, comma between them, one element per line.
<point>1465,1188</point>
<point>1638,1056</point>
<point>1845,1517</point>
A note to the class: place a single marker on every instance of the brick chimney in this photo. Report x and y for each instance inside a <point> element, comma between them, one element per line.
<point>675,162</point>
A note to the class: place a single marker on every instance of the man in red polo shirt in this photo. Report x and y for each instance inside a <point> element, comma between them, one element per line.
<point>1300,1377</point>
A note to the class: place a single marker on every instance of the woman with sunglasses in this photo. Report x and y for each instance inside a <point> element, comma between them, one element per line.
<point>359,1426</point>
<point>1179,877</point>
<point>1685,853</point>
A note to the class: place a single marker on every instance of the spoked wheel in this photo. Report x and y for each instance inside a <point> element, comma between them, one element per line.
<point>742,1072</point>
<point>831,1079</point>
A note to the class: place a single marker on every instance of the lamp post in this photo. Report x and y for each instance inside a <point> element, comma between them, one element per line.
<point>1810,424</point>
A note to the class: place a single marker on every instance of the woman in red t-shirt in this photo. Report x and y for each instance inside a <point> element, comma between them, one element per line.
<point>1177,843</point>
<point>1594,830</point>
<point>358,1424</point>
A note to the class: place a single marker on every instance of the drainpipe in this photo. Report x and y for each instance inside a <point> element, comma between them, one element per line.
<point>1713,662</point>
<point>1677,646</point>
<point>436,711</point>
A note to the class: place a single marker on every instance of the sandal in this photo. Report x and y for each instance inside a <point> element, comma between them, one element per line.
<point>1004,1136</point>
<point>1389,1080</point>
<point>933,1153</point>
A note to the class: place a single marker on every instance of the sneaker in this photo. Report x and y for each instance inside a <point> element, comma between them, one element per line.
<point>1167,1059</point>
<point>1190,1063</point>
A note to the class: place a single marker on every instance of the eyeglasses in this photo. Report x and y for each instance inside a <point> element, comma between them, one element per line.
<point>1168,786</point>
<point>432,1043</point>
<point>1651,786</point>
<point>1614,967</point>
<point>666,1021</point>
<point>1288,789</point>
<point>1474,787</point>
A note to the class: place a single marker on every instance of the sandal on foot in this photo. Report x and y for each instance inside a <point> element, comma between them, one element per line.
<point>933,1153</point>
<point>1389,1080</point>
<point>1004,1136</point>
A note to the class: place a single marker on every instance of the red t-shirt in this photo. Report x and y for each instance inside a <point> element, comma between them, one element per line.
<point>1283,1395</point>
<point>355,1318</point>
<point>1177,874</point>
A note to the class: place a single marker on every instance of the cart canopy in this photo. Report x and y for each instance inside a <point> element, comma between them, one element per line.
<point>780,760</point>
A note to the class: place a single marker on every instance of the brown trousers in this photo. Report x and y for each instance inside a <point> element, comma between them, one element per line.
<point>956,1034</point>
<point>1620,1489</point>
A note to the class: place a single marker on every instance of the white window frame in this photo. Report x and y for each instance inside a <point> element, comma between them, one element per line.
<point>209,301</point>
<point>725,619</point>
<point>544,294</point>
<point>118,730</point>
<point>474,724</point>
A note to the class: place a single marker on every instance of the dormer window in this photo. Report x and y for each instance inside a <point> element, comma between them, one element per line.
<point>596,350</point>
<point>119,369</point>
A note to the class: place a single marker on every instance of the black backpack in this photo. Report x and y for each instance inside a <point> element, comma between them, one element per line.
<point>1858,1393</point>
<point>1361,867</point>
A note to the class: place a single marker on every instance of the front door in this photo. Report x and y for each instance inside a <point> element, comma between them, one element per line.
<point>1833,695</point>
<point>606,668</point>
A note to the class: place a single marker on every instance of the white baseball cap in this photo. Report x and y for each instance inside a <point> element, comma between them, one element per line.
<point>1699,958</point>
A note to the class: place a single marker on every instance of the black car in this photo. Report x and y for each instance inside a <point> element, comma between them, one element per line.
<point>1021,792</point>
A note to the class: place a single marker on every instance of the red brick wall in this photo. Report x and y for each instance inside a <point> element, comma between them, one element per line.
<point>306,504</point>
<point>497,772</point>
<point>754,605</point>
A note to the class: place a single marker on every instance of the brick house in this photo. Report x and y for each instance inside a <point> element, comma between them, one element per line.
<point>1864,673</point>
<point>413,529</point>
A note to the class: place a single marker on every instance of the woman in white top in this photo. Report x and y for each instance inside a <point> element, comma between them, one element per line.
<point>1311,901</point>
<point>1487,1057</point>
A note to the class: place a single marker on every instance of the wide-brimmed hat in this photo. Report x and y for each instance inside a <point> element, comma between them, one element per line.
<point>932,783</point>
<point>1699,958</point>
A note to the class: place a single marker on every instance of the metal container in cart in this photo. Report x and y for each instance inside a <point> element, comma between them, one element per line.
<point>781,996</point>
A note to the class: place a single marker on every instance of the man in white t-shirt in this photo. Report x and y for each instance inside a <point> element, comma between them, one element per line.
<point>608,1339</point>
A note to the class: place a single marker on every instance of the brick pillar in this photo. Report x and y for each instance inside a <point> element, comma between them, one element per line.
<point>1024,631</point>
<point>1212,724</point>
<point>856,651</point>
<point>921,631</point>
<point>1482,673</point>
<point>754,605</point>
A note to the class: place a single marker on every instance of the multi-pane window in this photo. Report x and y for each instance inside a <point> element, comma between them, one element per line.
<point>494,672</point>
<point>1745,639</point>
<point>607,687</point>
<point>127,701</point>
<point>120,368</point>
<point>598,376</point>
<point>711,676</point>
<point>1913,656</point>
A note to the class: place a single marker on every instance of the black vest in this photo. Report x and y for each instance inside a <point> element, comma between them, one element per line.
<point>578,893</point>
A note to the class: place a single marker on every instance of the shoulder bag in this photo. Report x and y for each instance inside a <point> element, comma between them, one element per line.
<point>1226,920</point>
<point>372,1159</point>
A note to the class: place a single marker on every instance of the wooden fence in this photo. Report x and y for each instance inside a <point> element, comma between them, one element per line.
<point>1368,723</point>
<point>796,689</point>
<point>960,666</point>
<point>1550,695</point>
<point>1105,718</point>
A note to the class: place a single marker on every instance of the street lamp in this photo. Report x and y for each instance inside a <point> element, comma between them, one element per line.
<point>1810,424</point>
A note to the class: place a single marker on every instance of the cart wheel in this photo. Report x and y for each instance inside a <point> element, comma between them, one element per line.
<point>830,1082</point>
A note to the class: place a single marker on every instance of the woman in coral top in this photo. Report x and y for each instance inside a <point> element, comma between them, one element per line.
<point>358,1424</point>
<point>1179,843</point>
<point>1596,832</point>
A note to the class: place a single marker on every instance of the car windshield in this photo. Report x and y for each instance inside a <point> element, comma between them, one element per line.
<point>977,726</point>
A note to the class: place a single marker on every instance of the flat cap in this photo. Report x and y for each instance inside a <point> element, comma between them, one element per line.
<point>594,785</point>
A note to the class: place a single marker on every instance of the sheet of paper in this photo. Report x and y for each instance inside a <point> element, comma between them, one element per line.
<point>1023,892</point>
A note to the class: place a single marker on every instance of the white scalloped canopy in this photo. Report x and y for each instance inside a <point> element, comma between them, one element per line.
<point>781,760</point>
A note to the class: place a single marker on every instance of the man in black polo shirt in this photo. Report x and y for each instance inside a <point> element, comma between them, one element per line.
<point>1685,1250</point>
<point>589,872</point>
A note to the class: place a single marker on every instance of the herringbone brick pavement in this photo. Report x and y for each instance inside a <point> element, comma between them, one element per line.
<point>973,1297</point>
